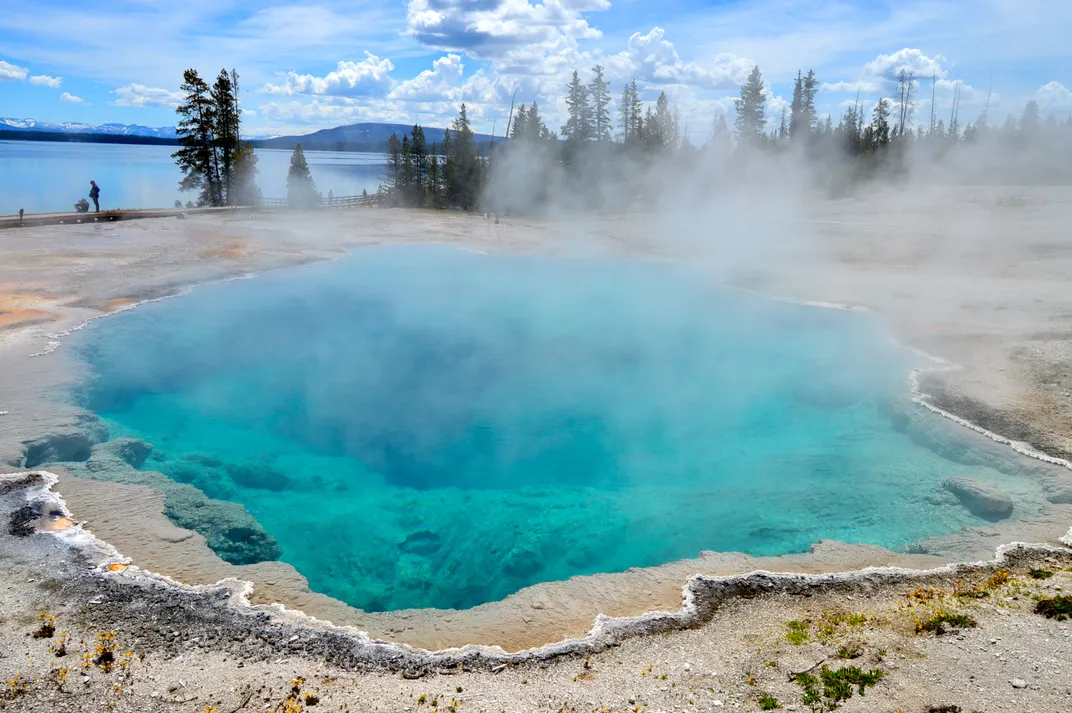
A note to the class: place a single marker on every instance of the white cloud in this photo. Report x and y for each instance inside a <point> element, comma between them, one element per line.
<point>775,106</point>
<point>68,97</point>
<point>880,74</point>
<point>522,36</point>
<point>138,95</point>
<point>887,66</point>
<point>443,83</point>
<point>1054,98</point>
<point>43,80</point>
<point>12,73</point>
<point>370,77</point>
<point>434,83</point>
<point>862,86</point>
<point>652,59</point>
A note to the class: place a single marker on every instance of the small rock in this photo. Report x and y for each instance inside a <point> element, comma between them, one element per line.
<point>718,704</point>
<point>1018,683</point>
<point>688,666</point>
<point>982,499</point>
<point>94,600</point>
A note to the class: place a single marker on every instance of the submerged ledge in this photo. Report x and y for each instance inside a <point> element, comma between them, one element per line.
<point>31,510</point>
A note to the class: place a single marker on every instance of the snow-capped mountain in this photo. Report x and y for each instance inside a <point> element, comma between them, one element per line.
<point>69,127</point>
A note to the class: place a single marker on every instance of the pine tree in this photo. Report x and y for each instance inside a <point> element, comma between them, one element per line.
<point>663,130</point>
<point>625,115</point>
<point>796,108</point>
<point>225,129</point>
<point>435,184</point>
<point>599,91</point>
<point>783,128</point>
<point>464,167</point>
<point>301,191</point>
<point>245,176</point>
<point>393,161</point>
<point>1029,121</point>
<point>535,129</point>
<point>638,112</point>
<point>880,123</point>
<point>419,151</point>
<point>811,89</point>
<point>750,109</point>
<point>517,129</point>
<point>405,188</point>
<point>721,140</point>
<point>578,127</point>
<point>196,136</point>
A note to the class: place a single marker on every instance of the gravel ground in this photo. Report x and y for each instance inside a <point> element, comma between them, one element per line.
<point>966,274</point>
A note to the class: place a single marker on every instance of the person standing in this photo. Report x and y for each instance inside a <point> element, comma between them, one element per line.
<point>94,193</point>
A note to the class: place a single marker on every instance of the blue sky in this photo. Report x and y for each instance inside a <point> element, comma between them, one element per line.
<point>310,64</point>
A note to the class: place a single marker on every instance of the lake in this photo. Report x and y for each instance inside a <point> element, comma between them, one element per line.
<point>42,176</point>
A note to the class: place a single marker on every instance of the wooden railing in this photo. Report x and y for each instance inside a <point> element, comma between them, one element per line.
<point>361,201</point>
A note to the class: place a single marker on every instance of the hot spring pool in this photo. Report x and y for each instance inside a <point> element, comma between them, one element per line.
<point>427,427</point>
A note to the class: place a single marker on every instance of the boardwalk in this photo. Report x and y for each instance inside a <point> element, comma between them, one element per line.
<point>106,216</point>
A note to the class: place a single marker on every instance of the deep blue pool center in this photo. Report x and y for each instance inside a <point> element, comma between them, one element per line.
<point>429,427</point>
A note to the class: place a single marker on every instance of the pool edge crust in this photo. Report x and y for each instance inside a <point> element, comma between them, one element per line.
<point>113,588</point>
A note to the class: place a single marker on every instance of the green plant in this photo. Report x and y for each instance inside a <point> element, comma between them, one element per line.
<point>104,651</point>
<point>938,621</point>
<point>826,691</point>
<point>14,688</point>
<point>967,590</point>
<point>999,578</point>
<point>48,626</point>
<point>1059,607</point>
<point>1040,574</point>
<point>59,646</point>
<point>851,650</point>
<point>798,632</point>
<point>767,702</point>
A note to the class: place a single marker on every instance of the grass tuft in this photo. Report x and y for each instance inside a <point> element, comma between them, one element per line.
<point>831,687</point>
<point>1040,573</point>
<point>798,632</point>
<point>851,650</point>
<point>1059,607</point>
<point>767,702</point>
<point>939,620</point>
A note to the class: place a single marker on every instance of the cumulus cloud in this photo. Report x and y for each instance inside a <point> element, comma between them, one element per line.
<point>503,29</point>
<point>1054,98</point>
<point>443,83</point>
<point>888,66</point>
<point>67,97</point>
<point>369,77</point>
<point>651,58</point>
<point>12,73</point>
<point>43,80</point>
<point>138,95</point>
<point>880,74</point>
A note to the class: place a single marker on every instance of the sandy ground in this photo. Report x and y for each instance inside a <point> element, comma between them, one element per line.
<point>978,277</point>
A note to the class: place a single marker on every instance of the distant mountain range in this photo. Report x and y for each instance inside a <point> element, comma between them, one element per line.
<point>357,137</point>
<point>354,137</point>
<point>68,127</point>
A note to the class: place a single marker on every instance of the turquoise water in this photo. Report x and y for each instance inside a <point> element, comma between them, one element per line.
<point>427,427</point>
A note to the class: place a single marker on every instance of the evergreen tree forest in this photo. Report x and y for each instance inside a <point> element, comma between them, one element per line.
<point>212,157</point>
<point>594,162</point>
